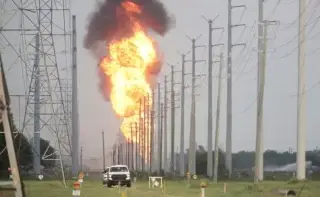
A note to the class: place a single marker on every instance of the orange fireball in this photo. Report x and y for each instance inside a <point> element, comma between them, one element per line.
<point>129,59</point>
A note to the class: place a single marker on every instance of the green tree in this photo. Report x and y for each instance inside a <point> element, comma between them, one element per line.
<point>245,159</point>
<point>201,161</point>
<point>22,148</point>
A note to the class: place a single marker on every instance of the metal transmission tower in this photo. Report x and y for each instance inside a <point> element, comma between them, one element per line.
<point>210,99</point>
<point>301,104</point>
<point>192,137</point>
<point>229,86</point>
<point>46,112</point>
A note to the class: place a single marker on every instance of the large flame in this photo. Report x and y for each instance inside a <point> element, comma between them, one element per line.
<point>126,65</point>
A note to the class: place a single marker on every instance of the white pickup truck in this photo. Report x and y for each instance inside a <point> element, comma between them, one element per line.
<point>117,174</point>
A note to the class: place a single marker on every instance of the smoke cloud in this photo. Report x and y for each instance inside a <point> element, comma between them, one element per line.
<point>105,22</point>
<point>109,22</point>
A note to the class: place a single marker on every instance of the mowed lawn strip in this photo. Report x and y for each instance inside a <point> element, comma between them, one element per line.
<point>172,189</point>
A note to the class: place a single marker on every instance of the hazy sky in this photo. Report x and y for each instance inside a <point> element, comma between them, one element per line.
<point>281,75</point>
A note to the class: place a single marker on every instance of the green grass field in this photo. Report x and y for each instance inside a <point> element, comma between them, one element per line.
<point>172,189</point>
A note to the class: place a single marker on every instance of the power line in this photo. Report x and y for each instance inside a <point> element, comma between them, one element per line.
<point>289,25</point>
<point>307,24</point>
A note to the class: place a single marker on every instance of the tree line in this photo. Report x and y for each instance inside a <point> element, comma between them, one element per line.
<point>24,151</point>
<point>244,160</point>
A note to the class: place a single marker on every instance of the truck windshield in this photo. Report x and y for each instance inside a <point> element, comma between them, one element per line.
<point>118,169</point>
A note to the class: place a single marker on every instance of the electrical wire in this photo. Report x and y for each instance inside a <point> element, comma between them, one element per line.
<point>274,9</point>
<point>308,90</point>
<point>307,24</point>
<point>289,25</point>
<point>305,39</point>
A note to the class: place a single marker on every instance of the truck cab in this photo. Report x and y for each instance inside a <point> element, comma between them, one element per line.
<point>117,175</point>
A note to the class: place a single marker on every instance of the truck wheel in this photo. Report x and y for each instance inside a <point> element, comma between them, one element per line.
<point>129,184</point>
<point>109,185</point>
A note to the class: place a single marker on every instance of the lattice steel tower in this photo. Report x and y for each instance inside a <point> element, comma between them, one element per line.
<point>37,37</point>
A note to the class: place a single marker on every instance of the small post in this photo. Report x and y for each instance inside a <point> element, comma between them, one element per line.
<point>203,186</point>
<point>10,173</point>
<point>224,187</point>
<point>80,178</point>
<point>188,178</point>
<point>76,189</point>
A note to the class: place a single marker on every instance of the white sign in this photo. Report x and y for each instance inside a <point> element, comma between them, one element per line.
<point>40,177</point>
<point>76,193</point>
<point>155,182</point>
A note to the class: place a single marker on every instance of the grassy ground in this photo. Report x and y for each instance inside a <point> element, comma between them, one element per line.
<point>172,189</point>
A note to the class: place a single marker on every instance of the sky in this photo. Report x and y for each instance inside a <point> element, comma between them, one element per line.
<point>280,103</point>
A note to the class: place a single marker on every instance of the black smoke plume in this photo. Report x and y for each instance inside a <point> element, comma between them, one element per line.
<point>105,23</point>
<point>109,22</point>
